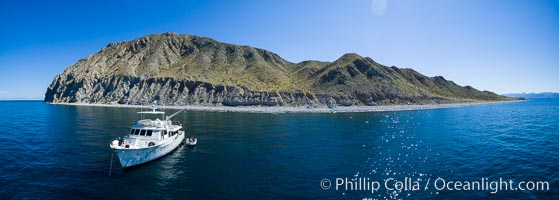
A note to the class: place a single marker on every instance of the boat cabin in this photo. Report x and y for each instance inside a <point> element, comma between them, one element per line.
<point>152,133</point>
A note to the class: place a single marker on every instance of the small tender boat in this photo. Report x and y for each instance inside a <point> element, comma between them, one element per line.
<point>191,141</point>
<point>148,139</point>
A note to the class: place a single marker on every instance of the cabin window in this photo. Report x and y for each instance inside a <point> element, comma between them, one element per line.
<point>149,133</point>
<point>136,131</point>
<point>143,133</point>
<point>164,132</point>
<point>131,131</point>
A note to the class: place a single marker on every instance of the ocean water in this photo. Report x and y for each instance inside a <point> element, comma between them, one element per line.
<point>62,152</point>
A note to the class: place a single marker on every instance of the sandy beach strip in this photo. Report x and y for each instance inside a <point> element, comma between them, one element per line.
<point>288,109</point>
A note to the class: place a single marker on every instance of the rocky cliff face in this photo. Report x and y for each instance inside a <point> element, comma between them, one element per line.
<point>168,91</point>
<point>190,70</point>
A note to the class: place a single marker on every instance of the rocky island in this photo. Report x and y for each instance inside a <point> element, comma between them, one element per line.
<point>188,70</point>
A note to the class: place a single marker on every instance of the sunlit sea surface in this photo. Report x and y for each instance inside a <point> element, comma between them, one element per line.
<point>60,152</point>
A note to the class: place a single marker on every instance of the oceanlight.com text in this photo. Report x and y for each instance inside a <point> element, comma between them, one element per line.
<point>492,186</point>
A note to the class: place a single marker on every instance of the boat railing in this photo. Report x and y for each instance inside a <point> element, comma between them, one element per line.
<point>149,122</point>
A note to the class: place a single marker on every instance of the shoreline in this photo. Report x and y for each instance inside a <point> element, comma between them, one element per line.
<point>287,109</point>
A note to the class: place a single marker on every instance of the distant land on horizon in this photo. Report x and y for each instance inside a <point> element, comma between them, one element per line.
<point>181,69</point>
<point>541,95</point>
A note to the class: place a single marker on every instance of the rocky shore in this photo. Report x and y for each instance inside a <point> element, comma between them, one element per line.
<point>300,109</point>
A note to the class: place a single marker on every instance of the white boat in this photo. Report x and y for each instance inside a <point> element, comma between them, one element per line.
<point>191,141</point>
<point>149,139</point>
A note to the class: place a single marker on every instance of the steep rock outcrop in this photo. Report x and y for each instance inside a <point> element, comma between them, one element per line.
<point>167,91</point>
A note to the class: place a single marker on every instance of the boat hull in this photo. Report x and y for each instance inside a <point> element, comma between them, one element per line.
<point>132,157</point>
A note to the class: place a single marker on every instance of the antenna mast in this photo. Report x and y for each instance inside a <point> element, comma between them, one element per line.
<point>171,116</point>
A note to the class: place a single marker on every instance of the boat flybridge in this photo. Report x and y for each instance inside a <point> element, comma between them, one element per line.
<point>148,139</point>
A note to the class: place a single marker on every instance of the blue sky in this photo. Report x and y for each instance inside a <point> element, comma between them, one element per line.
<point>497,45</point>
